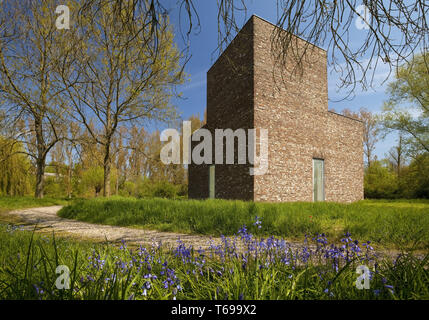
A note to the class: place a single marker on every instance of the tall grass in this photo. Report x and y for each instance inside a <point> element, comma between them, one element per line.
<point>263,269</point>
<point>398,223</point>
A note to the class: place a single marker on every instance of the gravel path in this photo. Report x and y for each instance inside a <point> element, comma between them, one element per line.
<point>46,218</point>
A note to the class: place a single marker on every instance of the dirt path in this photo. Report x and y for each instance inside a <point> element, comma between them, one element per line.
<point>46,218</point>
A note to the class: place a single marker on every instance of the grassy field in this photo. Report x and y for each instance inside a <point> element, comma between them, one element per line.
<point>387,223</point>
<point>268,269</point>
<point>325,268</point>
<point>13,203</point>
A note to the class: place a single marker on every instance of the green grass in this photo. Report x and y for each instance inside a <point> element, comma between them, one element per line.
<point>28,263</point>
<point>399,224</point>
<point>14,203</point>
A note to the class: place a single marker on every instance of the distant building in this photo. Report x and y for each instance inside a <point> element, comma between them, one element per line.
<point>50,174</point>
<point>314,154</point>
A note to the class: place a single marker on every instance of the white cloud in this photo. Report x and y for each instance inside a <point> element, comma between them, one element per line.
<point>378,76</point>
<point>197,80</point>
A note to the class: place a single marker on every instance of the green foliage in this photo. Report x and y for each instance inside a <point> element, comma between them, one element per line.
<point>164,189</point>
<point>28,264</point>
<point>15,175</point>
<point>13,203</point>
<point>54,188</point>
<point>147,188</point>
<point>380,181</point>
<point>416,179</point>
<point>93,178</point>
<point>386,223</point>
<point>407,109</point>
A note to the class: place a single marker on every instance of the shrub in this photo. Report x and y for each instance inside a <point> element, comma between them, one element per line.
<point>380,182</point>
<point>164,189</point>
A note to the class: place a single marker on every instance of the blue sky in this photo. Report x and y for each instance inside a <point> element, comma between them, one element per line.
<point>202,50</point>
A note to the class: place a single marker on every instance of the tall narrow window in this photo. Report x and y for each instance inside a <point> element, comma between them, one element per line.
<point>212,182</point>
<point>318,180</point>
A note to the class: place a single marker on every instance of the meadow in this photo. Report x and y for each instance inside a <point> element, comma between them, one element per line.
<point>395,224</point>
<point>265,269</point>
<point>12,203</point>
<point>254,261</point>
<point>23,202</point>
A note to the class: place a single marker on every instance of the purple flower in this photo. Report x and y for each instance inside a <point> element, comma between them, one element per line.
<point>257,222</point>
<point>39,291</point>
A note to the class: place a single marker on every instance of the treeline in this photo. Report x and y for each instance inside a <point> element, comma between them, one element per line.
<point>75,166</point>
<point>75,105</point>
<point>81,91</point>
<point>404,172</point>
<point>385,180</point>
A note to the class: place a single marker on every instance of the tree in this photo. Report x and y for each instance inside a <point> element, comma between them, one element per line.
<point>138,159</point>
<point>372,131</point>
<point>124,74</point>
<point>380,181</point>
<point>14,170</point>
<point>65,154</point>
<point>196,122</point>
<point>120,155</point>
<point>325,23</point>
<point>93,178</point>
<point>30,49</point>
<point>397,156</point>
<point>411,120</point>
<point>417,178</point>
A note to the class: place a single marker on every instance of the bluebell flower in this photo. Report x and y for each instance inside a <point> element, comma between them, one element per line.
<point>257,222</point>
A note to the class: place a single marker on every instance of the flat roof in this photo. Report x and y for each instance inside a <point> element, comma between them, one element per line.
<point>341,115</point>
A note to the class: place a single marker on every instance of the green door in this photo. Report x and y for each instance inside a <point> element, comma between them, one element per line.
<point>212,182</point>
<point>318,180</point>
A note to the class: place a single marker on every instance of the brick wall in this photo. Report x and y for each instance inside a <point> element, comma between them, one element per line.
<point>229,105</point>
<point>246,88</point>
<point>294,109</point>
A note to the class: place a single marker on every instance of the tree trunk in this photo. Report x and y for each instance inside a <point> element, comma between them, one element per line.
<point>107,166</point>
<point>117,183</point>
<point>40,178</point>
<point>41,159</point>
<point>69,187</point>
